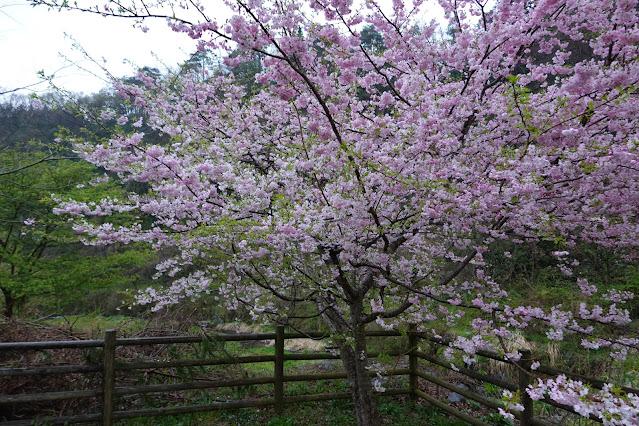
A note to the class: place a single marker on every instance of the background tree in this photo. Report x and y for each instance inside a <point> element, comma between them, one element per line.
<point>204,63</point>
<point>40,256</point>
<point>42,259</point>
<point>380,209</point>
<point>372,40</point>
<point>28,226</point>
<point>244,66</point>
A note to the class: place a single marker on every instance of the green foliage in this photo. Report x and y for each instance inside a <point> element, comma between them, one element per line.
<point>21,124</point>
<point>246,71</point>
<point>492,390</point>
<point>372,40</point>
<point>28,227</point>
<point>531,270</point>
<point>385,345</point>
<point>497,420</point>
<point>281,421</point>
<point>94,324</point>
<point>79,282</point>
<point>39,252</point>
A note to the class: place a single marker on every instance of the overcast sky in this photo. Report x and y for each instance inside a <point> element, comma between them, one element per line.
<point>33,39</point>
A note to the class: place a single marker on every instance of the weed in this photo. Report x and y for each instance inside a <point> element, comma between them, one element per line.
<point>497,419</point>
<point>492,390</point>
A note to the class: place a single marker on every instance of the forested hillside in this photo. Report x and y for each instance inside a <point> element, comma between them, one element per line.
<point>45,269</point>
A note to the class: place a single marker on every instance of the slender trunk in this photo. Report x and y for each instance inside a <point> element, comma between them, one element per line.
<point>9,303</point>
<point>355,362</point>
<point>354,357</point>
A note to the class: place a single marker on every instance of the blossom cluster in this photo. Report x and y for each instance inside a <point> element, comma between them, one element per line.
<point>611,405</point>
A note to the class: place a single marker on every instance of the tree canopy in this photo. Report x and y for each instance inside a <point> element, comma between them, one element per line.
<point>368,180</point>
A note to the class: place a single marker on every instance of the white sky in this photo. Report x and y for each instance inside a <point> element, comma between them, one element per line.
<point>33,39</point>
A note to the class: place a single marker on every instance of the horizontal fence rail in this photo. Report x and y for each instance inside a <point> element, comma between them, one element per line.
<point>110,364</point>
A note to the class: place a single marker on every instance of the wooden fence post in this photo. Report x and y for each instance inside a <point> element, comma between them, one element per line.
<point>279,369</point>
<point>412,361</point>
<point>524,380</point>
<point>109,377</point>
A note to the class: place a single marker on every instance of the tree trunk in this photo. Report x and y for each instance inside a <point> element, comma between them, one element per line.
<point>355,362</point>
<point>353,354</point>
<point>354,357</point>
<point>9,303</point>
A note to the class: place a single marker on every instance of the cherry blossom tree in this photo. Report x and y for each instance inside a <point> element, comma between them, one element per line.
<point>368,183</point>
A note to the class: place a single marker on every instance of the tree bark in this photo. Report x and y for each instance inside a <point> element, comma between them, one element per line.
<point>9,303</point>
<point>355,361</point>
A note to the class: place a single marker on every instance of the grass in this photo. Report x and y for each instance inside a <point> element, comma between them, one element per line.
<point>94,325</point>
<point>326,413</point>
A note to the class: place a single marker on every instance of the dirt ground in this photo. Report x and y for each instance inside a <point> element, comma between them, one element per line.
<point>20,331</point>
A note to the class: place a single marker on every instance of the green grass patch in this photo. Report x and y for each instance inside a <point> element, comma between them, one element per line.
<point>326,413</point>
<point>94,325</point>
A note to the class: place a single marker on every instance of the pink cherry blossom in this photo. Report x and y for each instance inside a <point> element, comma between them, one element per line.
<point>365,182</point>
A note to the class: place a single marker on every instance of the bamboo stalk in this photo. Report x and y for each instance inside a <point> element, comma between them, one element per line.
<point>63,420</point>
<point>166,411</point>
<point>135,341</point>
<point>339,395</point>
<point>342,375</point>
<point>468,394</point>
<point>326,355</point>
<point>309,357</point>
<point>319,335</point>
<point>202,384</point>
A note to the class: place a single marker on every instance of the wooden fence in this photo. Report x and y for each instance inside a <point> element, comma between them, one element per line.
<point>110,365</point>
